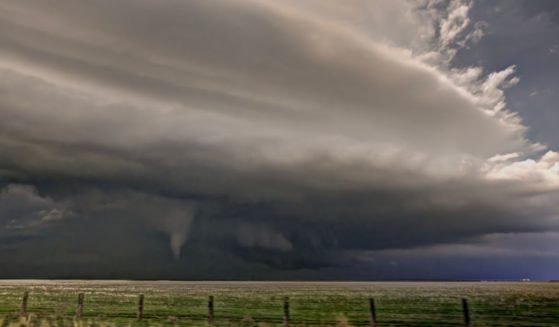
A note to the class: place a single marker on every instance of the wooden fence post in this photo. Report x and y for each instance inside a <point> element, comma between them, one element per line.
<point>24,303</point>
<point>286,311</point>
<point>373,312</point>
<point>140,307</point>
<point>79,309</point>
<point>210,309</point>
<point>466,312</point>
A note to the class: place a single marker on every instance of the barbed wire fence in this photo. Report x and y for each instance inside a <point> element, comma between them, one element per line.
<point>294,311</point>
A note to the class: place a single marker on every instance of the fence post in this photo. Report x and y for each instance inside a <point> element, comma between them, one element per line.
<point>286,311</point>
<point>79,309</point>
<point>24,303</point>
<point>373,312</point>
<point>140,307</point>
<point>210,309</point>
<point>466,311</point>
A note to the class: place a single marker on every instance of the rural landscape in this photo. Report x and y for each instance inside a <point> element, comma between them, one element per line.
<point>279,163</point>
<point>168,303</point>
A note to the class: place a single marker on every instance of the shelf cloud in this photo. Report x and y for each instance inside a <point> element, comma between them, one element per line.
<point>292,139</point>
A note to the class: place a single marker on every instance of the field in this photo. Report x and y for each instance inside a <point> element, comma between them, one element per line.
<point>114,303</point>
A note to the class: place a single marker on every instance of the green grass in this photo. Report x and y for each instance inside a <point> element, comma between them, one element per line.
<point>113,303</point>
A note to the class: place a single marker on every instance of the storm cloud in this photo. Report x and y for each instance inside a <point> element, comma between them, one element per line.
<point>258,139</point>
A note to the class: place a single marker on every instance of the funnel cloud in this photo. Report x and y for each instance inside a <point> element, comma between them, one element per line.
<point>178,226</point>
<point>256,139</point>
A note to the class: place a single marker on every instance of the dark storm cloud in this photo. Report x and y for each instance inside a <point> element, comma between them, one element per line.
<point>219,139</point>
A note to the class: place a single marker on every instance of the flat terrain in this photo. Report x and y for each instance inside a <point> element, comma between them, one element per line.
<point>114,303</point>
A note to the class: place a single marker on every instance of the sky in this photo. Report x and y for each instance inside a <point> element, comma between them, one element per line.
<point>279,140</point>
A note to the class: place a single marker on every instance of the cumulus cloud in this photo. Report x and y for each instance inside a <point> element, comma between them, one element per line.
<point>288,129</point>
<point>455,22</point>
<point>543,172</point>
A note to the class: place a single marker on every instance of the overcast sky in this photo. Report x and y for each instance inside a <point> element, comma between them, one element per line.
<point>260,139</point>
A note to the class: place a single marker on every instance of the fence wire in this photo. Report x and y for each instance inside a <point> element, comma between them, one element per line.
<point>251,308</point>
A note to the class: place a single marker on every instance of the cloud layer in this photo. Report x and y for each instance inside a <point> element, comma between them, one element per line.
<point>254,133</point>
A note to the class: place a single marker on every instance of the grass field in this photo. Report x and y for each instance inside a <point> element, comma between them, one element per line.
<point>114,303</point>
